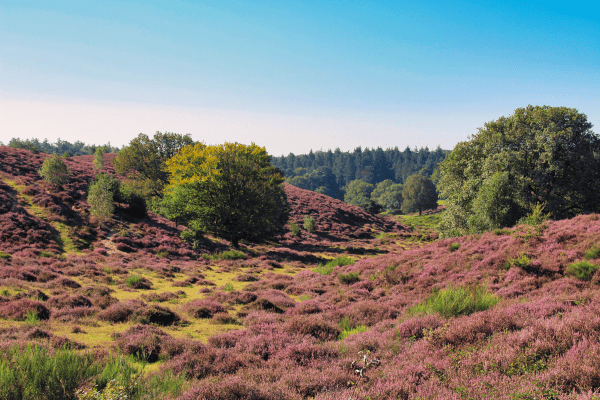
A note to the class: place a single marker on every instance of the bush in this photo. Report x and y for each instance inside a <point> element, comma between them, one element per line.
<point>309,224</point>
<point>54,170</point>
<point>229,255</point>
<point>582,270</point>
<point>349,278</point>
<point>99,159</point>
<point>340,262</point>
<point>19,309</point>
<point>324,269</point>
<point>156,315</point>
<point>453,247</point>
<point>592,253</point>
<point>5,256</point>
<point>137,282</point>
<point>452,302</point>
<point>295,229</point>
<point>204,308</point>
<point>101,196</point>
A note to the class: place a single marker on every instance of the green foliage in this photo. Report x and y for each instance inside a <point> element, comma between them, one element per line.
<point>453,247</point>
<point>99,159</point>
<point>31,318</point>
<point>229,255</point>
<point>54,170</point>
<point>230,190</point>
<point>144,158</point>
<point>340,262</point>
<point>309,224</point>
<point>60,147</point>
<point>352,331</point>
<point>358,193</point>
<point>582,270</point>
<point>114,390</point>
<point>388,195</point>
<point>295,229</point>
<point>5,256</point>
<point>133,280</point>
<point>419,194</point>
<point>538,155</point>
<point>228,287</point>
<point>523,261</point>
<point>324,269</point>
<point>592,253</point>
<point>101,196</point>
<point>455,301</point>
<point>349,278</point>
<point>34,373</point>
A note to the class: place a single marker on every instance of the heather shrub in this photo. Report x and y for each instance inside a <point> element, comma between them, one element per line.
<point>582,270</point>
<point>203,308</point>
<point>35,373</point>
<point>120,312</point>
<point>315,326</point>
<point>143,342</point>
<point>309,224</point>
<point>349,278</point>
<point>155,314</point>
<point>454,301</point>
<point>54,170</point>
<point>18,309</point>
<point>66,300</point>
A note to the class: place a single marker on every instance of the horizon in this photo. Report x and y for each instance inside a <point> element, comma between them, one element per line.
<point>289,77</point>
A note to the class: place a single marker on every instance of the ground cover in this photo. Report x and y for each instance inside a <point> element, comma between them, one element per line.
<point>509,314</point>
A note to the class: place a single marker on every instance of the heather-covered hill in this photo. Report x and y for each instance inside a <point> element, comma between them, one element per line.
<point>510,314</point>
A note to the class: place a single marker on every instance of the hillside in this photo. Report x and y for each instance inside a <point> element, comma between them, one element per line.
<point>297,317</point>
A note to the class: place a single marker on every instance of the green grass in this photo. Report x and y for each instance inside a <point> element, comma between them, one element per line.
<point>5,256</point>
<point>453,247</point>
<point>455,301</point>
<point>523,261</point>
<point>582,270</point>
<point>352,331</point>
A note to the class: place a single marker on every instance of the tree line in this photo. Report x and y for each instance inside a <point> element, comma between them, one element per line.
<point>61,147</point>
<point>330,172</point>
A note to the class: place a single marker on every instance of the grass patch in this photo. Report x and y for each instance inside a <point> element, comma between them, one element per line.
<point>352,331</point>
<point>455,301</point>
<point>453,247</point>
<point>5,256</point>
<point>523,261</point>
<point>582,270</point>
<point>340,261</point>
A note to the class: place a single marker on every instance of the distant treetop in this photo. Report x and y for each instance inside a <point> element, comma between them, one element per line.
<point>61,147</point>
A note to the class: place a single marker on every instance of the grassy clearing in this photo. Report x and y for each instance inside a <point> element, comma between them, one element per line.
<point>455,301</point>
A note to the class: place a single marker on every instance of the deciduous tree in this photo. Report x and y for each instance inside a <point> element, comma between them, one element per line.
<point>418,194</point>
<point>229,190</point>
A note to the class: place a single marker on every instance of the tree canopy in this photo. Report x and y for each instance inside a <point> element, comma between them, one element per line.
<point>418,194</point>
<point>539,155</point>
<point>358,193</point>
<point>230,190</point>
<point>145,157</point>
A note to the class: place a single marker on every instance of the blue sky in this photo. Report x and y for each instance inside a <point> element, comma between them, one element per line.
<point>290,76</point>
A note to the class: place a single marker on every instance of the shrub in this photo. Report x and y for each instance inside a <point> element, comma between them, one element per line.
<point>340,262</point>
<point>452,302</point>
<point>453,247</point>
<point>523,261</point>
<point>295,229</point>
<point>18,309</point>
<point>54,170</point>
<point>315,326</point>
<point>5,256</point>
<point>349,278</point>
<point>155,314</point>
<point>229,255</point>
<point>137,282</point>
<point>352,331</point>
<point>309,224</point>
<point>324,269</point>
<point>582,270</point>
<point>203,308</point>
<point>592,253</point>
<point>101,196</point>
<point>99,159</point>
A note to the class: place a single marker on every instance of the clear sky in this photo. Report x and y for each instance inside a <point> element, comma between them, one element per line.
<point>291,76</point>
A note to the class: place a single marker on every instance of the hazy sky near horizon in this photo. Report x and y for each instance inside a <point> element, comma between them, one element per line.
<point>290,76</point>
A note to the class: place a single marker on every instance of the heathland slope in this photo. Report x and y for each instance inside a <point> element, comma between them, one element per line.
<point>511,314</point>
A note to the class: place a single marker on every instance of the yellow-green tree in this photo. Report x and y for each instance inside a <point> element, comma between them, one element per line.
<point>229,190</point>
